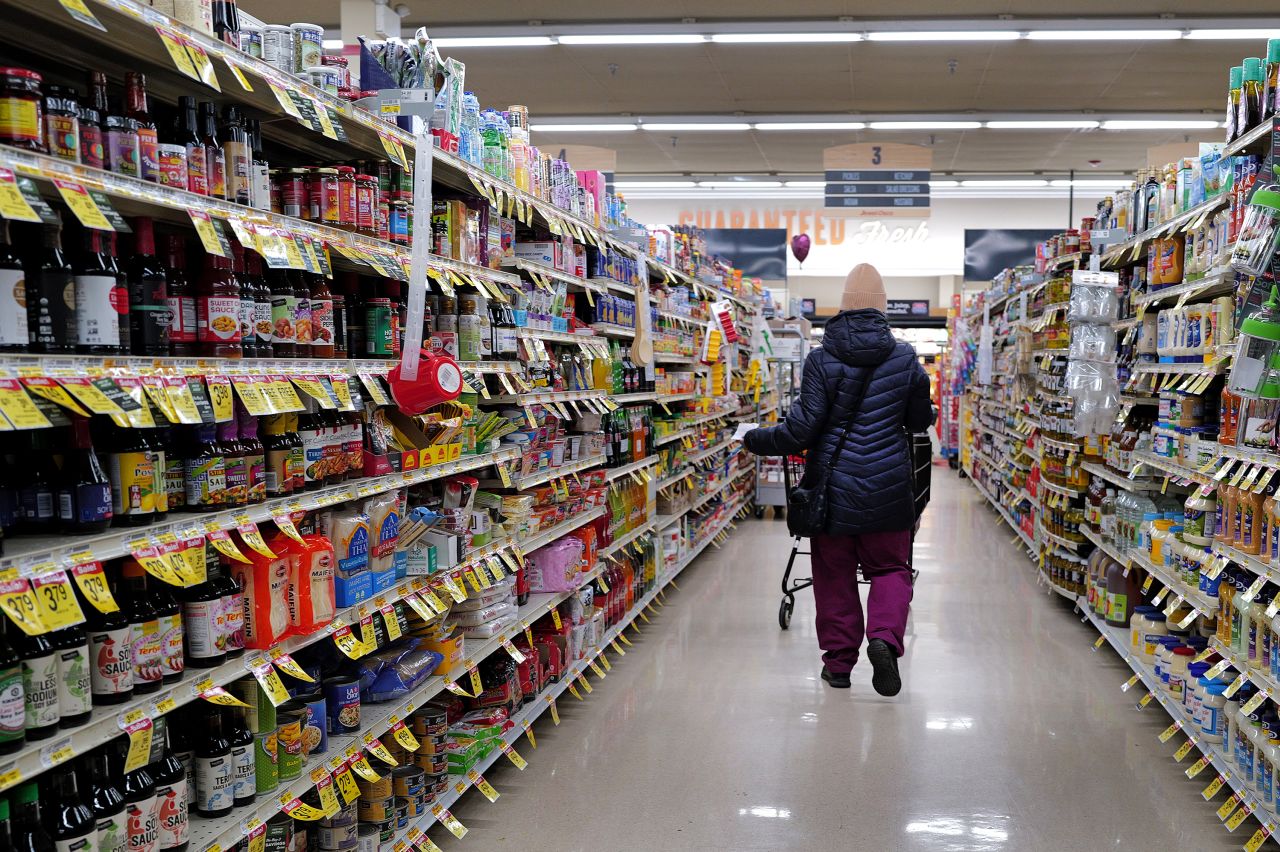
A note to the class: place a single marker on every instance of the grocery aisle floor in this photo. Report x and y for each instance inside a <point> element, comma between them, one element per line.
<point>715,732</point>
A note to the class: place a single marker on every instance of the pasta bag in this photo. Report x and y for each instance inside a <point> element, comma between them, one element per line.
<point>311,589</point>
<point>265,583</point>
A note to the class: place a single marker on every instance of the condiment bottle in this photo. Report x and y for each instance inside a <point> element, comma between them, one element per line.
<point>67,812</point>
<point>84,497</point>
<point>237,151</point>
<point>260,188</point>
<point>93,150</point>
<point>98,300</point>
<point>1251,94</point>
<point>106,801</point>
<point>232,596</point>
<point>12,707</point>
<point>121,300</point>
<point>75,696</point>
<point>322,319</point>
<point>236,465</point>
<point>141,807</point>
<point>136,109</point>
<point>215,159</point>
<point>24,124</point>
<point>50,291</point>
<point>339,314</point>
<point>261,306</point>
<point>131,468</point>
<point>123,152</point>
<point>218,309</point>
<point>14,335</point>
<point>172,664</point>
<point>186,133</point>
<point>244,782</point>
<point>39,684</point>
<point>181,298</point>
<point>110,653</point>
<point>206,472</point>
<point>301,315</point>
<point>62,123</point>
<point>1234,86</point>
<point>148,294</point>
<point>172,795</point>
<point>255,456</point>
<point>283,307</point>
<point>248,304</point>
<point>144,623</point>
<point>279,478</point>
<point>1271,93</point>
<point>346,198</point>
<point>214,773</point>
<point>203,625</point>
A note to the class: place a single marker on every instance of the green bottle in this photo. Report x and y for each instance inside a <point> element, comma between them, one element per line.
<point>12,702</point>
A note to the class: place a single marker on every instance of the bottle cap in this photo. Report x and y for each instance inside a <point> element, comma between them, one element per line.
<point>1253,70</point>
<point>1237,76</point>
<point>1273,50</point>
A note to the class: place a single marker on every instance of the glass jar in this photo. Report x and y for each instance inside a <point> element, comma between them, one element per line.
<point>322,197</point>
<point>62,123</point>
<point>346,198</point>
<point>294,197</point>
<point>398,223</point>
<point>21,111</point>
<point>366,205</point>
<point>123,155</point>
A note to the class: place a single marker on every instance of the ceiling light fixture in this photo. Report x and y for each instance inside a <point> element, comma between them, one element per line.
<point>740,184</point>
<point>333,44</point>
<point>695,125</point>
<point>785,38</point>
<point>925,125</point>
<point>1161,124</point>
<point>1104,35</point>
<point>1222,35</point>
<point>804,184</point>
<point>1046,124</point>
<point>636,38</point>
<point>1101,183</point>
<point>582,128</point>
<point>946,35</point>
<point>811,125</point>
<point>494,41</point>
<point>1017,183</point>
<point>654,184</point>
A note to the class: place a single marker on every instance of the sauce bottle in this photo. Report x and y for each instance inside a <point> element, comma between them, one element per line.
<point>237,152</point>
<point>244,781</point>
<point>141,808</point>
<point>236,465</point>
<point>262,330</point>
<point>186,133</point>
<point>50,293</point>
<point>203,625</point>
<point>175,471</point>
<point>255,457</point>
<point>106,802</point>
<point>218,310</point>
<point>171,793</point>
<point>29,833</point>
<point>144,624</point>
<point>169,614</point>
<point>283,307</point>
<point>131,469</point>
<point>98,317</point>
<point>181,298</point>
<point>12,707</point>
<point>232,597</point>
<point>1271,93</point>
<point>75,695</point>
<point>322,317</point>
<point>92,144</point>
<point>248,304</point>
<point>339,313</point>
<point>69,817</point>
<point>14,335</point>
<point>214,772</point>
<point>261,171</point>
<point>84,497</point>
<point>39,685</point>
<point>279,474</point>
<point>110,653</point>
<point>215,160</point>
<point>148,294</point>
<point>301,315</point>
<point>1251,94</point>
<point>206,472</point>
<point>121,296</point>
<point>136,109</point>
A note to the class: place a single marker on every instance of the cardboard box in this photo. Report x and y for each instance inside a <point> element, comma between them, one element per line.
<point>448,547</point>
<point>546,252</point>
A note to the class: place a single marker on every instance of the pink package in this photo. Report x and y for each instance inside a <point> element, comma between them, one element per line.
<point>555,567</point>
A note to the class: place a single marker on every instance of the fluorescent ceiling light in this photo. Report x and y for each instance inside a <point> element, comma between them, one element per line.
<point>925,125</point>
<point>494,41</point>
<point>1104,35</point>
<point>804,184</point>
<point>943,184</point>
<point>785,38</point>
<point>333,44</point>
<point>811,125</point>
<point>1047,124</point>
<point>582,128</point>
<point>1094,182</point>
<point>1232,34</point>
<point>946,35</point>
<point>637,38</point>
<point>741,184</point>
<point>1161,124</point>
<point>654,184</point>
<point>1011,183</point>
<point>725,125</point>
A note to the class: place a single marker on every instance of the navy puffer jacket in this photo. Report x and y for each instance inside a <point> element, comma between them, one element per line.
<point>870,488</point>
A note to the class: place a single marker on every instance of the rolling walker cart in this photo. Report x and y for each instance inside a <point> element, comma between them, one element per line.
<point>771,489</point>
<point>793,469</point>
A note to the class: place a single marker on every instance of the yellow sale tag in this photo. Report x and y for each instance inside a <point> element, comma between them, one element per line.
<point>420,607</point>
<point>298,810</point>
<point>391,621</point>
<point>282,97</point>
<point>595,667</point>
<point>252,536</point>
<point>284,523</point>
<point>140,735</point>
<point>57,603</point>
<point>476,686</point>
<point>178,52</point>
<point>1259,837</point>
<point>238,74</point>
<point>614,644</point>
<point>218,695</point>
<point>1196,768</point>
<point>18,408</point>
<point>347,786</point>
<point>90,395</point>
<point>514,757</point>
<point>1255,701</point>
<point>404,736</point>
<point>483,786</point>
<point>368,638</point>
<point>347,643</point>
<point>1098,644</point>
<point>270,682</point>
<point>582,680</point>
<point>1234,686</point>
<point>555,619</point>
<point>555,713</point>
<point>1217,669</point>
<point>450,821</point>
<point>1239,817</point>
<point>471,578</point>
<point>19,603</point>
<point>221,542</point>
<point>516,653</point>
<point>52,391</point>
<point>12,204</point>
<point>573,690</point>
<point>1146,699</point>
<point>1203,655</point>
<point>257,835</point>
<point>92,581</point>
<point>324,789</point>
<point>1167,733</point>
<point>289,665</point>
<point>622,637</point>
<point>1183,751</point>
<point>378,750</point>
<point>82,205</point>
<point>455,589</point>
<point>362,768</point>
<point>1214,786</point>
<point>220,397</point>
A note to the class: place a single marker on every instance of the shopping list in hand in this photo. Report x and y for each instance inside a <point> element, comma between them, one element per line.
<point>743,429</point>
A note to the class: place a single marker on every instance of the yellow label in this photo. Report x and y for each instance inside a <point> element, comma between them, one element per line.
<point>328,796</point>
<point>614,644</point>
<point>90,396</point>
<point>271,683</point>
<point>326,124</point>
<point>252,536</point>
<point>1196,768</point>
<point>505,475</point>
<point>555,619</point>
<point>450,821</point>
<point>1255,701</point>
<point>419,606</point>
<point>92,581</point>
<point>514,756</point>
<point>455,589</point>
<point>362,768</point>
<point>221,541</point>
<point>12,204</point>
<point>1234,686</point>
<point>218,695</point>
<point>57,603</point>
<point>310,385</point>
<point>573,690</point>
<point>203,64</point>
<point>342,391</point>
<point>625,641</point>
<point>368,638</point>
<point>595,667</point>
<point>289,665</point>
<point>180,398</point>
<point>178,52</point>
<point>282,97</point>
<point>586,684</point>
<point>1239,817</point>
<point>1183,751</point>
<point>516,653</point>
<point>347,787</point>
<point>140,736</point>
<point>378,750</point>
<point>604,661</point>
<point>404,736</point>
<point>284,523</point>
<point>18,409</point>
<point>1214,786</point>
<point>19,603</point>
<point>1146,699</point>
<point>348,643</point>
<point>483,786</point>
<point>1259,837</point>
<point>238,74</point>
<point>251,394</point>
<point>476,686</point>
<point>390,620</point>
<point>298,810</point>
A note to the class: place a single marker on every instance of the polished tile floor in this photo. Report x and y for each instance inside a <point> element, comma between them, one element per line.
<point>715,732</point>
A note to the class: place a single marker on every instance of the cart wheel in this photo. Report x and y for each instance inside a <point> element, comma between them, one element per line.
<point>784,612</point>
<point>779,513</point>
<point>953,463</point>
<point>759,512</point>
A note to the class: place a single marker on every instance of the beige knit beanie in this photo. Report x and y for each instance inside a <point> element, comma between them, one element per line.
<point>863,288</point>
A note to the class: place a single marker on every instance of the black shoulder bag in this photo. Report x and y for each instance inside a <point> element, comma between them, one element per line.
<point>807,502</point>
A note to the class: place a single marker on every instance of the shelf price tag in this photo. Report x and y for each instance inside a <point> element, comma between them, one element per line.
<point>178,52</point>
<point>516,653</point>
<point>1252,592</point>
<point>1167,733</point>
<point>483,785</point>
<point>324,789</point>
<point>1260,837</point>
<point>267,678</point>
<point>1214,786</point>
<point>92,582</point>
<point>450,821</point>
<point>218,695</point>
<point>1196,768</point>
<point>1217,669</point>
<point>13,205</point>
<point>555,712</point>
<point>360,764</point>
<point>82,205</point>
<point>1235,685</point>
<point>57,603</point>
<point>1239,816</point>
<point>1145,700</point>
<point>1183,750</point>
<point>1203,655</point>
<point>404,736</point>
<point>1228,806</point>
<point>1256,701</point>
<point>140,736</point>
<point>378,750</point>
<point>347,642</point>
<point>514,756</point>
<point>289,665</point>
<point>19,603</point>
<point>347,787</point>
<point>297,809</point>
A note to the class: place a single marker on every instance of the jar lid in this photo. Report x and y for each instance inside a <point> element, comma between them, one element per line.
<point>346,170</point>
<point>1184,651</point>
<point>324,171</point>
<point>365,177</point>
<point>21,72</point>
<point>298,170</point>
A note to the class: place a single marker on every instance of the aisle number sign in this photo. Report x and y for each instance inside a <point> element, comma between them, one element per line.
<point>878,179</point>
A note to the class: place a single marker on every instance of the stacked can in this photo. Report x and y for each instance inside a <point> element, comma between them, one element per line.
<point>376,807</point>
<point>340,832</point>
<point>263,723</point>
<point>408,783</point>
<point>430,723</point>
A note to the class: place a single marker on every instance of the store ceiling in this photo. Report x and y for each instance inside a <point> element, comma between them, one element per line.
<point>723,80</point>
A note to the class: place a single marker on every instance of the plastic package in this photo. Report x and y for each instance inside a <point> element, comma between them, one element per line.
<point>476,617</point>
<point>555,567</point>
<point>266,593</point>
<point>1259,234</point>
<point>348,530</point>
<point>383,512</point>
<point>311,590</point>
<point>492,628</point>
<point>396,670</point>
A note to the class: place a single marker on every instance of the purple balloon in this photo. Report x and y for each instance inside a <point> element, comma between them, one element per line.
<point>800,244</point>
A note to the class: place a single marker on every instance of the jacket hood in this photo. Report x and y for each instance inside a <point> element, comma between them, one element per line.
<point>859,338</point>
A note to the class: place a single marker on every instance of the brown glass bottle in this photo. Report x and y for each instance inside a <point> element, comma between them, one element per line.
<point>183,336</point>
<point>148,293</point>
<point>97,316</point>
<point>218,310</point>
<point>261,306</point>
<point>248,306</point>
<point>322,319</point>
<point>136,108</point>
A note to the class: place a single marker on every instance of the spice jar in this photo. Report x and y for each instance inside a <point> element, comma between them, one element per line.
<point>340,66</point>
<point>346,198</point>
<point>122,145</point>
<point>62,123</point>
<point>293,193</point>
<point>322,197</point>
<point>21,120</point>
<point>366,205</point>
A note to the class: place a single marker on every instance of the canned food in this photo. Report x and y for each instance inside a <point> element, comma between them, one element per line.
<point>280,834</point>
<point>322,199</point>
<point>376,810</point>
<point>315,735</point>
<point>277,46</point>
<point>407,780</point>
<point>293,193</point>
<point>339,836</point>
<point>289,755</point>
<point>376,790</point>
<point>430,720</point>
<point>401,810</point>
<point>368,837</point>
<point>433,763</point>
<point>342,704</point>
<point>324,77</point>
<point>308,46</point>
<point>264,761</point>
<point>260,717</point>
<point>346,815</point>
<point>251,40</point>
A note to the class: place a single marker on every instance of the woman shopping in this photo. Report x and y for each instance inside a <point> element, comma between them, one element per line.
<point>861,395</point>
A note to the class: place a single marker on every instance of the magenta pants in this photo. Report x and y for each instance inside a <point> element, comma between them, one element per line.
<point>885,559</point>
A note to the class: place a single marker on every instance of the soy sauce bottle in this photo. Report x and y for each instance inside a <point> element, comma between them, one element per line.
<point>84,498</point>
<point>149,319</point>
<point>172,794</point>
<point>14,334</point>
<point>29,833</point>
<point>141,807</point>
<point>144,624</point>
<point>106,802</point>
<point>68,814</point>
<point>98,317</point>
<point>110,652</point>
<point>214,796</point>
<point>39,685</point>
<point>75,694</point>
<point>12,707</point>
<point>50,290</point>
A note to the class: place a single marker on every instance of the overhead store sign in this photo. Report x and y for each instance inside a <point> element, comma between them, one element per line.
<point>881,179</point>
<point>907,308</point>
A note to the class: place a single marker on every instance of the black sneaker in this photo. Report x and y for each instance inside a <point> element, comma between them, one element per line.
<point>836,681</point>
<point>884,666</point>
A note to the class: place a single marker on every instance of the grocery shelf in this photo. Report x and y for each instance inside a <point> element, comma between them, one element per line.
<point>32,555</point>
<point>675,317</point>
<point>1064,543</point>
<point>1249,562</point>
<point>618,544</point>
<point>702,455</point>
<point>1126,250</point>
<point>1064,490</point>
<point>1008,519</point>
<point>1116,553</point>
<point>618,472</point>
<point>607,329</point>
<point>1172,468</point>
<point>1185,368</point>
<point>1062,446</point>
<point>552,336</point>
<point>1223,766</point>
<point>1216,283</point>
<point>664,521</point>
<point>1249,140</point>
<point>1059,590</point>
<point>674,436</point>
<point>563,470</point>
<point>671,358</point>
<point>1198,600</point>
<point>541,270</point>
<point>541,397</point>
<point>1119,479</point>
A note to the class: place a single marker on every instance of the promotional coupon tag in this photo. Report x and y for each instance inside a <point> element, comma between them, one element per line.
<point>267,678</point>
<point>1196,768</point>
<point>140,735</point>
<point>404,736</point>
<point>347,643</point>
<point>514,756</point>
<point>300,811</point>
<point>555,712</point>
<point>482,785</point>
<point>450,821</point>
<point>57,603</point>
<point>378,750</point>
<point>289,665</point>
<point>391,621</point>
<point>92,582</point>
<point>218,695</point>
<point>346,784</point>
<point>1214,786</point>
<point>1167,733</point>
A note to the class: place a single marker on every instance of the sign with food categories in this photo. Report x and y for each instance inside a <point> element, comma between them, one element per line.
<point>884,178</point>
